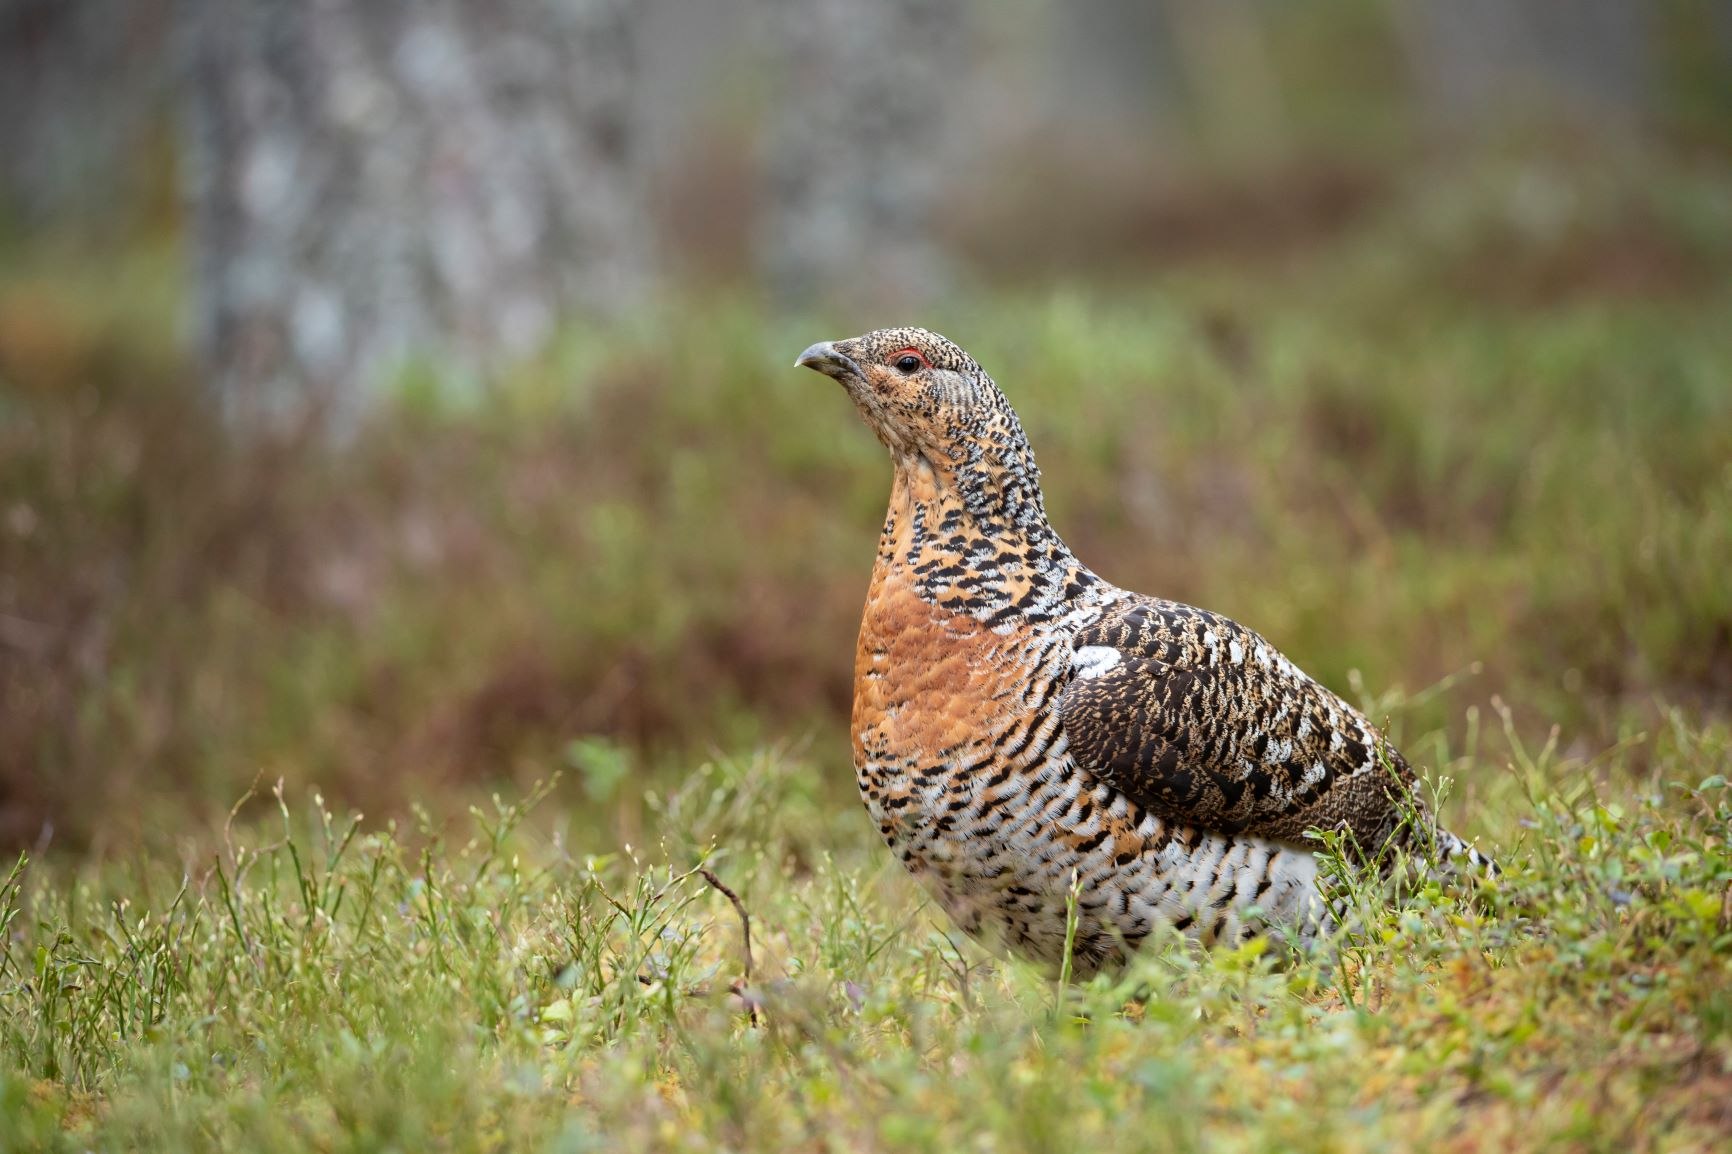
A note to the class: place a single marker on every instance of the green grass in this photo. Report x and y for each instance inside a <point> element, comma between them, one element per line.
<point>1466,460</point>
<point>317,982</point>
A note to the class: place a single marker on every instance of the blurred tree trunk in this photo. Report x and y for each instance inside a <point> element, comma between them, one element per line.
<point>85,88</point>
<point>1586,58</point>
<point>1235,92</point>
<point>1115,63</point>
<point>377,182</point>
<point>858,147</point>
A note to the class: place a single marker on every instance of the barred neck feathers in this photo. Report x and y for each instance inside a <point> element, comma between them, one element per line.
<point>970,531</point>
<point>985,457</point>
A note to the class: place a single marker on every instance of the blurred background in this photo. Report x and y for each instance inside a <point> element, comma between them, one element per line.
<point>395,396</point>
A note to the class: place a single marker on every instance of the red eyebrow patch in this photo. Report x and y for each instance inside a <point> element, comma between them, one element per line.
<point>910,351</point>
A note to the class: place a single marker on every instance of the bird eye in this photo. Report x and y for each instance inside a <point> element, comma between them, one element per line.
<point>908,362</point>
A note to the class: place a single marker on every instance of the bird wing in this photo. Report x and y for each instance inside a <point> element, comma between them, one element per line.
<point>1201,721</point>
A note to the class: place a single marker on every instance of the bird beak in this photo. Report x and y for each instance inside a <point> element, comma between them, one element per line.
<point>824,357</point>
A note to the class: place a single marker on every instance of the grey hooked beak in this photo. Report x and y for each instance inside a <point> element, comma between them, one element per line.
<point>824,357</point>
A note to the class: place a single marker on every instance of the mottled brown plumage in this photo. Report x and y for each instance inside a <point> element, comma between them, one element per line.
<point>1203,721</point>
<point>1020,724</point>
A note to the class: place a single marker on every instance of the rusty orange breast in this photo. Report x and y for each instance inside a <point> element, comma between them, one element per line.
<point>927,681</point>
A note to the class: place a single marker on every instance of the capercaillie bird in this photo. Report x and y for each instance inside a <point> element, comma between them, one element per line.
<point>1019,722</point>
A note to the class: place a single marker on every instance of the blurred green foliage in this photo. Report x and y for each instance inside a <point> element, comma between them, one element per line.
<point>1479,441</point>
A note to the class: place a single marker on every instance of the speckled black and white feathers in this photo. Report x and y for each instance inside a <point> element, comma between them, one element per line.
<point>1021,724</point>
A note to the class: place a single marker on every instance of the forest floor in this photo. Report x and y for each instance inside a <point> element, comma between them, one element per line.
<point>1468,460</point>
<point>311,986</point>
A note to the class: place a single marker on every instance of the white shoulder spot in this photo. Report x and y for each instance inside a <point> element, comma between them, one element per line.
<point>1236,652</point>
<point>1093,660</point>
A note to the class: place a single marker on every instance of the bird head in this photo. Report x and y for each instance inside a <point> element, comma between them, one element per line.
<point>918,391</point>
<point>932,403</point>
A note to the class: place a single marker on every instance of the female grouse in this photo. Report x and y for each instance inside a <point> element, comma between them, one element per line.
<point>1018,721</point>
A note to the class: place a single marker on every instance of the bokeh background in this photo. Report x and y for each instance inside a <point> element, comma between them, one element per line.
<point>395,397</point>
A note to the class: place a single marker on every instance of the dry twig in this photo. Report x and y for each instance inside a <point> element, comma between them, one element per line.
<point>720,887</point>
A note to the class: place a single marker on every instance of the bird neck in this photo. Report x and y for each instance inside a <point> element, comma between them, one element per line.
<point>975,542</point>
